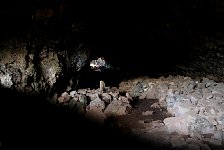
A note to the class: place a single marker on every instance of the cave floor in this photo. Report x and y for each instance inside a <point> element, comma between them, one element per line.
<point>174,112</point>
<point>141,115</point>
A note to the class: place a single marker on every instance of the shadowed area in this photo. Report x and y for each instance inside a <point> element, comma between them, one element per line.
<point>29,122</point>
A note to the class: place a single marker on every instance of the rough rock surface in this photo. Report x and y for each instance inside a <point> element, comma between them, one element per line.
<point>35,67</point>
<point>195,105</point>
<point>94,104</point>
<point>194,109</point>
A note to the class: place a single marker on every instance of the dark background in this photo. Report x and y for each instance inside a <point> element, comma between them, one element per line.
<point>140,36</point>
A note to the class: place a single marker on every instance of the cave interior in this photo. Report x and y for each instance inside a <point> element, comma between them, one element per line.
<point>137,38</point>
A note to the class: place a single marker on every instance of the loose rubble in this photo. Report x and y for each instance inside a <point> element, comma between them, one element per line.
<point>196,108</point>
<point>96,104</point>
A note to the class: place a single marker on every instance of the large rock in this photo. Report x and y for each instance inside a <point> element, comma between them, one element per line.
<point>138,88</point>
<point>96,115</point>
<point>152,93</point>
<point>219,88</point>
<point>98,103</point>
<point>6,80</point>
<point>200,125</point>
<point>106,97</point>
<point>117,108</point>
<point>207,94</point>
<point>177,125</point>
<point>92,96</point>
<point>189,123</point>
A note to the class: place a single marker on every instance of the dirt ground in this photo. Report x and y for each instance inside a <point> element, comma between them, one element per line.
<point>136,120</point>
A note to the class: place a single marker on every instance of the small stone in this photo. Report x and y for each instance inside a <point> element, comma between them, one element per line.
<point>106,97</point>
<point>151,94</point>
<point>201,85</point>
<point>98,103</point>
<point>218,89</point>
<point>114,94</point>
<point>163,87</point>
<point>162,102</point>
<point>207,84</point>
<point>61,99</point>
<point>102,86</point>
<point>141,121</point>
<point>124,99</point>
<point>192,85</point>
<point>220,127</point>
<point>92,96</point>
<point>82,99</point>
<point>72,93</point>
<point>207,94</point>
<point>64,94</point>
<point>143,95</point>
<point>217,96</point>
<point>147,113</point>
<point>128,96</point>
<point>211,110</point>
<point>197,94</point>
<point>72,103</point>
<point>155,105</point>
<point>157,124</point>
<point>88,90</point>
<point>82,91</point>
<point>64,99</point>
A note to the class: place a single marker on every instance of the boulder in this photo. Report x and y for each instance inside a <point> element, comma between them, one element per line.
<point>117,108</point>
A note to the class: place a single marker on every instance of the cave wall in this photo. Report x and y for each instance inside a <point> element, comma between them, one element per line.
<point>39,52</point>
<point>36,67</point>
<point>44,44</point>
